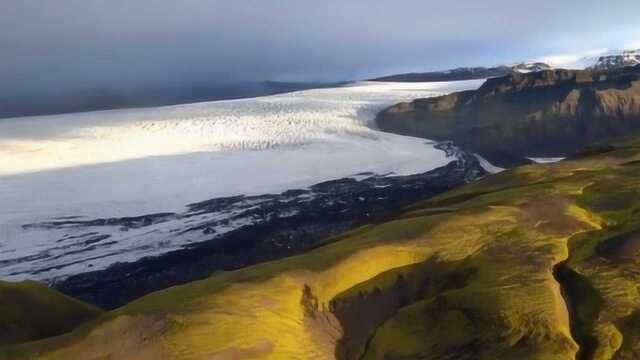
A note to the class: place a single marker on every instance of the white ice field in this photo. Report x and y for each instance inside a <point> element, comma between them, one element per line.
<point>141,161</point>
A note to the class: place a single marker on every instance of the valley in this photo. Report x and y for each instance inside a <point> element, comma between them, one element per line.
<point>468,274</point>
<point>435,252</point>
<point>126,202</point>
<point>334,180</point>
<point>227,233</point>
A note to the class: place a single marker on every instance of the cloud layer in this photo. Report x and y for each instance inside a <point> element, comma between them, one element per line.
<point>52,46</point>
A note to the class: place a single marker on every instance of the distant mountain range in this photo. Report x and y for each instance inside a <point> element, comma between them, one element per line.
<point>46,103</point>
<point>611,61</point>
<point>466,73</point>
<point>615,61</point>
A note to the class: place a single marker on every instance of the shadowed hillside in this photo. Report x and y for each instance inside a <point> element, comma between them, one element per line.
<point>31,311</point>
<point>539,114</point>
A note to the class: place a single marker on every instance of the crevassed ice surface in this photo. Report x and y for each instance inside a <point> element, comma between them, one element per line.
<point>141,161</point>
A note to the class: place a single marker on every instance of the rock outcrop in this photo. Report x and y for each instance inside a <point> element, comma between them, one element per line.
<point>538,114</point>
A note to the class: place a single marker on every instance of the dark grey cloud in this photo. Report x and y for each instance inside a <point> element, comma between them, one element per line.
<point>54,45</point>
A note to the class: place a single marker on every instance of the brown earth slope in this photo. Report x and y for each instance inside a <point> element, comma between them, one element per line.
<point>539,114</point>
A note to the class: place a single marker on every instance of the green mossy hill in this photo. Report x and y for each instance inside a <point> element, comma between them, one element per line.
<point>538,262</point>
<point>546,113</point>
<point>31,311</point>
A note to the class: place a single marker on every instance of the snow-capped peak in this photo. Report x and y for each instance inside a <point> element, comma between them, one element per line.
<point>527,67</point>
<point>619,60</point>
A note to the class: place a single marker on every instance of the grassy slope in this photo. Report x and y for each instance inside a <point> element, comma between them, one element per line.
<point>31,311</point>
<point>466,275</point>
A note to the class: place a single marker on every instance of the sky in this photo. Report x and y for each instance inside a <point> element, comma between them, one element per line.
<point>53,45</point>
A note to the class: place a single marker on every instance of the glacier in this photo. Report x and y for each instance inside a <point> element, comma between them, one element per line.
<point>75,168</point>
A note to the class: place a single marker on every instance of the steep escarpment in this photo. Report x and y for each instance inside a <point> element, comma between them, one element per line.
<point>539,114</point>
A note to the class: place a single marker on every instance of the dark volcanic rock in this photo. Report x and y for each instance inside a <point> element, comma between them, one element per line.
<point>539,114</point>
<point>277,225</point>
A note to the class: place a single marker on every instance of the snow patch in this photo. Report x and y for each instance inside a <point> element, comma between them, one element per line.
<point>487,166</point>
<point>548,160</point>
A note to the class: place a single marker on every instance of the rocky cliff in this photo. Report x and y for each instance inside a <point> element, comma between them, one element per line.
<point>538,114</point>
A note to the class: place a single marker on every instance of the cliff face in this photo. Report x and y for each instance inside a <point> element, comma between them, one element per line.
<point>547,113</point>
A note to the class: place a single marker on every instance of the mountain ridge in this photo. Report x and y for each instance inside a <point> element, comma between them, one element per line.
<point>540,114</point>
<point>611,60</point>
<point>617,61</point>
<point>466,73</point>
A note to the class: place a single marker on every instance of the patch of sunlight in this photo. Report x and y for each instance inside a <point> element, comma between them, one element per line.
<point>269,316</point>
<point>585,216</point>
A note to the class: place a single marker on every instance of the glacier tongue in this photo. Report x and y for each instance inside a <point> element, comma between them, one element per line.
<point>157,160</point>
<point>49,142</point>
